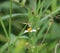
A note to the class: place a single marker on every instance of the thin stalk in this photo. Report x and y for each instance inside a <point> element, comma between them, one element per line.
<point>51,14</point>
<point>3,26</point>
<point>10,25</point>
<point>50,24</point>
<point>10,17</point>
<point>56,47</point>
<point>21,33</point>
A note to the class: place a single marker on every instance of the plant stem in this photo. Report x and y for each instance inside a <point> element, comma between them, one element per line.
<point>3,26</point>
<point>10,17</point>
<point>56,47</point>
<point>10,25</point>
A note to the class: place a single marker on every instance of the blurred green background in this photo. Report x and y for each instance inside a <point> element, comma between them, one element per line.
<point>29,26</point>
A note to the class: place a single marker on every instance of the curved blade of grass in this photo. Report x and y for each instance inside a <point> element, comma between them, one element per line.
<point>13,15</point>
<point>54,12</point>
<point>3,26</point>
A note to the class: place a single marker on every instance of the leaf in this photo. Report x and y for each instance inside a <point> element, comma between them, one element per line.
<point>52,46</point>
<point>16,8</point>
<point>55,32</point>
<point>13,16</point>
<point>19,46</point>
<point>5,46</point>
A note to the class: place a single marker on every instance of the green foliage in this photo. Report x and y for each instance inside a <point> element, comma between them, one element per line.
<point>30,26</point>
